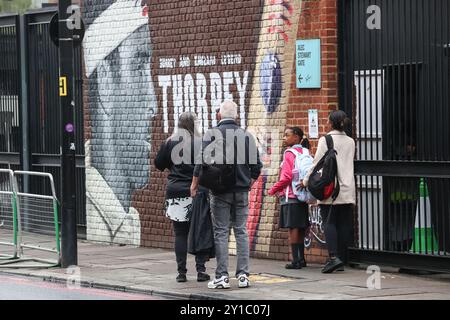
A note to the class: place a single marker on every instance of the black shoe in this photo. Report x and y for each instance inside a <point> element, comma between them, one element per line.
<point>201,277</point>
<point>181,277</point>
<point>332,265</point>
<point>303,263</point>
<point>340,269</point>
<point>293,265</point>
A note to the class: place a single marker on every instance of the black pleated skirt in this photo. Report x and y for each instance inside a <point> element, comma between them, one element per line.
<point>294,215</point>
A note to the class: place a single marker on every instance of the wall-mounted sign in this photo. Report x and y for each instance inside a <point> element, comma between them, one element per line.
<point>62,86</point>
<point>308,63</point>
<point>313,124</point>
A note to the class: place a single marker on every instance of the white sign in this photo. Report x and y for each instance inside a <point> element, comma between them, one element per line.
<point>313,121</point>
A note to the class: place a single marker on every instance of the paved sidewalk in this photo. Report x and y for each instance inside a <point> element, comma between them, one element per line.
<point>153,271</point>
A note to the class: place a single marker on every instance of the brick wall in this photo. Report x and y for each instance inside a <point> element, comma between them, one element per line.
<point>318,20</point>
<point>121,101</point>
<point>202,53</point>
<point>166,57</point>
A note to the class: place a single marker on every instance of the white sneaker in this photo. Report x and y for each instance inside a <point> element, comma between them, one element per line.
<point>221,283</point>
<point>243,281</point>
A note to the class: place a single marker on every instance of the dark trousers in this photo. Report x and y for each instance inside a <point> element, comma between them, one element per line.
<point>181,230</point>
<point>338,229</point>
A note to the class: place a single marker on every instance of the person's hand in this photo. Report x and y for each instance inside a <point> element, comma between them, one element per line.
<point>194,187</point>
<point>300,185</point>
<point>270,192</point>
<point>193,191</point>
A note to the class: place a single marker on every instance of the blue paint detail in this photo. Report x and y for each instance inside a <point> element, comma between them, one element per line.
<point>271,81</point>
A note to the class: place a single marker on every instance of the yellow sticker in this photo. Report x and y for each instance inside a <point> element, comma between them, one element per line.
<point>62,86</point>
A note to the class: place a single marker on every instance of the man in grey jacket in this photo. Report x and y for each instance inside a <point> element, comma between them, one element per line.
<point>231,205</point>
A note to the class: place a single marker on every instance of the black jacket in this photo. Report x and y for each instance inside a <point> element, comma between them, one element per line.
<point>251,169</point>
<point>180,176</point>
<point>201,233</point>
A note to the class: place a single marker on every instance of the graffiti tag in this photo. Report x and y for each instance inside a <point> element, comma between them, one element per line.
<point>315,230</point>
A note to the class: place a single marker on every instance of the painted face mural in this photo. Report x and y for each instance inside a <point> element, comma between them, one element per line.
<point>120,123</point>
<point>121,105</point>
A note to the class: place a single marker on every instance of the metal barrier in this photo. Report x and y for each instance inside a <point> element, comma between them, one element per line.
<point>8,214</point>
<point>36,214</point>
<point>29,102</point>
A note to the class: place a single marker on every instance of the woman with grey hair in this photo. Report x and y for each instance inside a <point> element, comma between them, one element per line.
<point>177,154</point>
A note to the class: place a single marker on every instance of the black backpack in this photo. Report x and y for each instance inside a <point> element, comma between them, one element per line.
<point>323,181</point>
<point>219,178</point>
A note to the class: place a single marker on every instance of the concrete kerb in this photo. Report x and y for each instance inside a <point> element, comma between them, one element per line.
<point>105,286</point>
<point>50,276</point>
<point>127,289</point>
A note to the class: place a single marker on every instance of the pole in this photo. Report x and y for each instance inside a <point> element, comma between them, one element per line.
<point>67,107</point>
<point>25,124</point>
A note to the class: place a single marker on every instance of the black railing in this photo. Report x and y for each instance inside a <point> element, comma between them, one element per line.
<point>395,84</point>
<point>9,87</point>
<point>42,129</point>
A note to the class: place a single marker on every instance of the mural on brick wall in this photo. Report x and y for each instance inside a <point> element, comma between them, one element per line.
<point>203,53</point>
<point>270,71</point>
<point>271,88</point>
<point>188,91</point>
<point>121,98</point>
<point>147,62</point>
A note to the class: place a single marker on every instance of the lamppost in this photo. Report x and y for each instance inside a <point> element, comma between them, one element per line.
<point>69,19</point>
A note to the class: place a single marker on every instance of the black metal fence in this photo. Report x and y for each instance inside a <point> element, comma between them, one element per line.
<point>33,141</point>
<point>395,84</point>
<point>9,87</point>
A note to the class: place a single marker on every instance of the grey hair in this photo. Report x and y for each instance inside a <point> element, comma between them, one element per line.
<point>187,123</point>
<point>228,109</point>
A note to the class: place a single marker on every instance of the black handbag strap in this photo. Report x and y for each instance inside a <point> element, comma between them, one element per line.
<point>337,187</point>
<point>330,142</point>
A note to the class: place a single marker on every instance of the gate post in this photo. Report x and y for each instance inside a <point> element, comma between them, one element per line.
<point>25,151</point>
<point>67,106</point>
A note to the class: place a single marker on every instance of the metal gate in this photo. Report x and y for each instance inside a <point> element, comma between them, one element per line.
<point>394,58</point>
<point>29,104</point>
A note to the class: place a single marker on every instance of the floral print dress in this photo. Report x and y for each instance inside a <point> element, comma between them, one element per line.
<point>179,209</point>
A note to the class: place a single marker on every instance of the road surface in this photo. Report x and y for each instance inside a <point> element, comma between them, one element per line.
<point>20,288</point>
